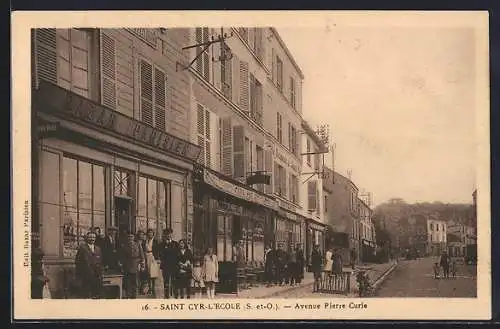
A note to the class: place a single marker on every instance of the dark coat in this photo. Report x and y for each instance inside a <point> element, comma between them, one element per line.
<point>168,254</point>
<point>337,266</point>
<point>110,252</point>
<point>131,255</point>
<point>182,259</point>
<point>270,259</point>
<point>316,261</point>
<point>281,258</point>
<point>88,267</point>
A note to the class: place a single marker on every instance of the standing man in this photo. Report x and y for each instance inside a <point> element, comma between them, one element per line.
<point>132,258</point>
<point>168,252</point>
<point>88,266</point>
<point>280,264</point>
<point>269,256</point>
<point>353,258</point>
<point>110,250</point>
<point>99,239</point>
<point>300,263</point>
<point>292,265</point>
<point>316,266</point>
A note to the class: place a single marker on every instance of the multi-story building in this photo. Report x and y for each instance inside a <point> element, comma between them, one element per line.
<point>246,97</point>
<point>367,228</point>
<point>312,188</point>
<point>344,213</point>
<point>436,235</point>
<point>412,235</point>
<point>111,114</point>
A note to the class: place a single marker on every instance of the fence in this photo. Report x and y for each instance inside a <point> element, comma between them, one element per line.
<point>335,283</point>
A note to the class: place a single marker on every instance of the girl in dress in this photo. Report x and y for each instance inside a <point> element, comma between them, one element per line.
<point>150,247</point>
<point>197,281</point>
<point>211,272</point>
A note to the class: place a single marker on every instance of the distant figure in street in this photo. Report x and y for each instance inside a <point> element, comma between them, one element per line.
<point>444,262</point>
<point>280,260</point>
<point>353,258</point>
<point>453,268</point>
<point>292,265</point>
<point>300,264</point>
<point>316,263</point>
<point>337,262</point>
<point>436,270</point>
<point>99,239</point>
<point>328,260</point>
<point>88,266</point>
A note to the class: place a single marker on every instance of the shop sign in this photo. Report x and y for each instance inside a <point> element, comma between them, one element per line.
<point>47,129</point>
<point>58,100</point>
<point>238,191</point>
<point>287,205</point>
<point>228,207</point>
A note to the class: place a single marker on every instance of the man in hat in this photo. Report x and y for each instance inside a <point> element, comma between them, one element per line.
<point>168,252</point>
<point>109,250</point>
<point>132,258</point>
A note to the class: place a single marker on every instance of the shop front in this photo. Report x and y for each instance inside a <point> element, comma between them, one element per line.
<point>102,169</point>
<point>227,212</point>
<point>368,249</point>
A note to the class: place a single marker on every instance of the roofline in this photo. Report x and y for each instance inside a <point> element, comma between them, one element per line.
<point>310,131</point>
<point>287,51</point>
<point>339,174</point>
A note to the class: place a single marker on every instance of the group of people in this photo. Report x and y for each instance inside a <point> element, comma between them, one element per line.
<point>142,260</point>
<point>331,263</point>
<point>448,266</point>
<point>284,266</point>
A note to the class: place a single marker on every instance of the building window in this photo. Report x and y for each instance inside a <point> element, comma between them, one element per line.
<point>437,227</point>
<point>294,189</point>
<point>308,151</point>
<point>122,183</point>
<point>316,159</point>
<point>326,203</point>
<point>152,205</point>
<point>224,249</point>
<point>153,90</point>
<point>312,192</point>
<point>205,122</point>
<point>226,72</point>
<point>292,92</point>
<point>279,180</point>
<point>279,72</point>
<point>202,62</point>
<point>279,127</point>
<point>256,100</point>
<point>292,139</point>
<point>84,202</point>
<point>260,165</point>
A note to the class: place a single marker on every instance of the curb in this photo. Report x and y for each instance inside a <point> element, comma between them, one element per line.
<point>384,276</point>
<point>277,293</point>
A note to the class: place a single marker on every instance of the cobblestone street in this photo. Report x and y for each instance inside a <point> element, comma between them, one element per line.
<point>415,279</point>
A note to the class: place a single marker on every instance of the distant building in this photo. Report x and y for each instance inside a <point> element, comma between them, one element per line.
<point>436,236</point>
<point>367,228</point>
<point>413,234</point>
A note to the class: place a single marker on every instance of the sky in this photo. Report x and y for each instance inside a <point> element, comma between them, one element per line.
<point>400,105</point>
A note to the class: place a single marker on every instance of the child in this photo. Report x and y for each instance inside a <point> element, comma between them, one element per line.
<point>436,270</point>
<point>197,280</point>
<point>453,268</point>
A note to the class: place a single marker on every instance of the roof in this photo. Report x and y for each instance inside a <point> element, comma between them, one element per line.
<point>310,131</point>
<point>288,53</point>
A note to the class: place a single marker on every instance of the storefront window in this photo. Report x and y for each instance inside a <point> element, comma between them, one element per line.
<point>49,203</point>
<point>151,205</point>
<point>83,201</point>
<point>220,238</point>
<point>258,241</point>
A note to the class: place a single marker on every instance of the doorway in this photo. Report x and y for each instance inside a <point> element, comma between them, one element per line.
<point>123,217</point>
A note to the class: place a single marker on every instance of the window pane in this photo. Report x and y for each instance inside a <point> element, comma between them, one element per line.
<point>99,200</point>
<point>80,38</point>
<point>80,58</point>
<point>220,248</point>
<point>152,198</point>
<point>162,204</point>
<point>84,198</point>
<point>49,203</point>
<point>229,241</point>
<point>63,48</point>
<point>70,195</point>
<point>80,78</point>
<point>63,69</point>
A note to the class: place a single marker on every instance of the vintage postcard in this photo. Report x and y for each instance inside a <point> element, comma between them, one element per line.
<point>251,165</point>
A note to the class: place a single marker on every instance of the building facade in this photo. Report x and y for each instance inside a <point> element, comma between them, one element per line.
<point>368,241</point>
<point>111,145</point>
<point>413,235</point>
<point>343,215</point>
<point>437,234</point>
<point>246,98</point>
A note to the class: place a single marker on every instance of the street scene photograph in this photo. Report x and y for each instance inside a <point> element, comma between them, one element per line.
<point>254,162</point>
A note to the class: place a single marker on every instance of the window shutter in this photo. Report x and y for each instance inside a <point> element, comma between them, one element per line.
<point>218,66</point>
<point>239,151</point>
<point>235,64</point>
<point>259,103</point>
<point>291,187</point>
<point>160,99</point>
<point>251,38</point>
<point>268,167</point>
<point>108,69</point>
<point>46,55</point>
<point>146,76</point>
<point>284,189</point>
<point>311,192</point>
<point>244,85</point>
<point>206,61</point>
<point>277,179</point>
<point>258,43</point>
<point>200,119</point>
<point>317,198</point>
<point>228,82</point>
<point>274,69</point>
<point>199,39</point>
<point>227,147</point>
<point>201,143</point>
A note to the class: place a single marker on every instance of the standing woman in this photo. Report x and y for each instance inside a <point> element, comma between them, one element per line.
<point>316,263</point>
<point>185,259</point>
<point>211,272</point>
<point>150,247</point>
<point>143,275</point>
<point>300,263</point>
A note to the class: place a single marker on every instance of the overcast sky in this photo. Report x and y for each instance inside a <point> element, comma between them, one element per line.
<point>400,105</point>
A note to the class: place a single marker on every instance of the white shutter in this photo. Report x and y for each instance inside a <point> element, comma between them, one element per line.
<point>268,167</point>
<point>217,66</point>
<point>108,69</point>
<point>227,147</point>
<point>46,54</point>
<point>160,99</point>
<point>277,179</point>
<point>208,133</point>
<point>235,65</point>
<point>273,68</point>
<point>239,151</point>
<point>146,84</point>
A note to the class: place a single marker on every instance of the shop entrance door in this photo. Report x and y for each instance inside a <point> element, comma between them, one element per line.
<point>123,217</point>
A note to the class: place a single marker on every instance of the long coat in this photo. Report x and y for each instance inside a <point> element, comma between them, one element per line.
<point>131,255</point>
<point>88,267</point>
<point>316,261</point>
<point>110,252</point>
<point>168,254</point>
